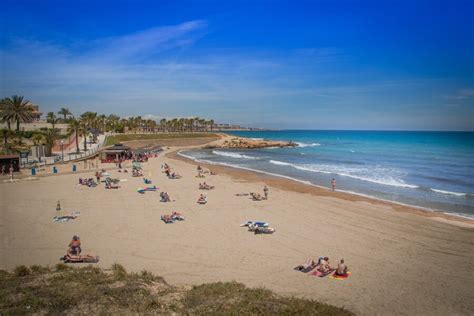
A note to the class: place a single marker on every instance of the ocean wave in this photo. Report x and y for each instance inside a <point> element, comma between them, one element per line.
<point>280,163</point>
<point>355,173</point>
<point>307,145</point>
<point>180,153</point>
<point>448,192</point>
<point>232,155</point>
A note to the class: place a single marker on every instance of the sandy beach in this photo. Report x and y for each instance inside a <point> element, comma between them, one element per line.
<point>402,261</point>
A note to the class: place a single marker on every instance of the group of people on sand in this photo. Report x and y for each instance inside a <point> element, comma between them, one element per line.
<point>87,182</point>
<point>73,253</point>
<point>205,186</point>
<point>258,196</point>
<point>202,172</point>
<point>167,170</point>
<point>324,267</point>
<point>137,172</point>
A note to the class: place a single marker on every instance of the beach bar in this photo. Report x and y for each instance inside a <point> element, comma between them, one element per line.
<point>115,153</point>
<point>10,160</point>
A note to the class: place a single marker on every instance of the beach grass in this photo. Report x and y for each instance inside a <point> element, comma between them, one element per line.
<point>66,289</point>
<point>129,137</point>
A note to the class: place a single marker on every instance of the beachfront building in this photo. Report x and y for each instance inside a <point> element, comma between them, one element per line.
<point>9,160</point>
<point>114,153</point>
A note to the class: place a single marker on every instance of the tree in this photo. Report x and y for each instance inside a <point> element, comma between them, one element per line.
<point>211,124</point>
<point>75,127</point>
<point>88,120</point>
<point>50,137</point>
<point>17,109</point>
<point>163,124</point>
<point>52,119</point>
<point>37,139</point>
<point>65,112</point>
<point>6,134</point>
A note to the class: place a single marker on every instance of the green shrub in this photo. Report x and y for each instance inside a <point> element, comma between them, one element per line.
<point>22,271</point>
<point>119,271</point>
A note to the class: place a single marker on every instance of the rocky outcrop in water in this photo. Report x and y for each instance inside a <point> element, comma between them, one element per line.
<point>247,143</point>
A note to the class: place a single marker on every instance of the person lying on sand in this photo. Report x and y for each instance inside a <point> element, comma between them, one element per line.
<point>309,264</point>
<point>205,186</point>
<point>342,269</point>
<point>69,257</point>
<point>256,196</point>
<point>202,199</point>
<point>174,175</point>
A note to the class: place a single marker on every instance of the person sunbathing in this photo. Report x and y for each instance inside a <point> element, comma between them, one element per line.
<point>202,199</point>
<point>71,257</point>
<point>342,269</point>
<point>174,176</point>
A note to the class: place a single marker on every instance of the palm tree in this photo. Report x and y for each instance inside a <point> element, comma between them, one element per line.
<point>163,124</point>
<point>17,109</point>
<point>6,133</point>
<point>88,119</point>
<point>211,124</point>
<point>65,112</point>
<point>37,139</point>
<point>52,118</point>
<point>75,127</point>
<point>4,117</point>
<point>50,136</point>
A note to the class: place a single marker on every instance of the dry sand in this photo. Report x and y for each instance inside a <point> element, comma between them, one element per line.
<point>402,263</point>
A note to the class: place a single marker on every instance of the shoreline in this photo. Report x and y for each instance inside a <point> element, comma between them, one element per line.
<point>277,180</point>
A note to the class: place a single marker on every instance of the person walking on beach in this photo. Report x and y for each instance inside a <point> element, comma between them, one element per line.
<point>11,172</point>
<point>265,192</point>
<point>4,170</point>
<point>333,184</point>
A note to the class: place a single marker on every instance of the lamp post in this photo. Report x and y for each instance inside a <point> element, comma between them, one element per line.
<point>62,150</point>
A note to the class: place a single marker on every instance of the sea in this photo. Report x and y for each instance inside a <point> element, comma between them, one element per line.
<point>431,170</point>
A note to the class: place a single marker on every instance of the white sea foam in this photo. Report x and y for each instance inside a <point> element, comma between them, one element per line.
<point>449,192</point>
<point>307,145</point>
<point>232,155</point>
<point>374,175</point>
<point>255,138</point>
<point>319,186</point>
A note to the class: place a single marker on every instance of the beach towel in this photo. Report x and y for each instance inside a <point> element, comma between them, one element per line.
<point>321,274</point>
<point>66,218</point>
<point>334,276</point>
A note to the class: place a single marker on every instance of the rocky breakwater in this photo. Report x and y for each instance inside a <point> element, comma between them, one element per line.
<point>239,142</point>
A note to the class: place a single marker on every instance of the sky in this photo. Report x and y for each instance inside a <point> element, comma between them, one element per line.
<point>370,65</point>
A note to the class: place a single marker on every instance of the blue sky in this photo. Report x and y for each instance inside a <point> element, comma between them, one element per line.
<point>279,64</point>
